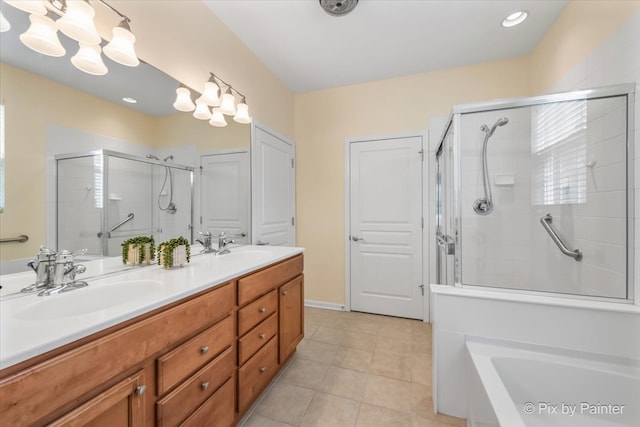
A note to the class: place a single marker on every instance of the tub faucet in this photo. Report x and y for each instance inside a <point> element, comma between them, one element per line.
<point>223,242</point>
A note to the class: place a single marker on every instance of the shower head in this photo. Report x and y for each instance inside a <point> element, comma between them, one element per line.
<point>168,158</point>
<point>500,122</point>
<point>151,156</point>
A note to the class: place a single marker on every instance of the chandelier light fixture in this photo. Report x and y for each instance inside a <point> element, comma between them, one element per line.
<point>210,97</point>
<point>76,21</point>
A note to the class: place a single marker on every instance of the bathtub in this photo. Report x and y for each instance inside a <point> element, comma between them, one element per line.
<point>518,385</point>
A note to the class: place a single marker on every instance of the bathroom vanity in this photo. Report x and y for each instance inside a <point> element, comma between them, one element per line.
<point>197,352</point>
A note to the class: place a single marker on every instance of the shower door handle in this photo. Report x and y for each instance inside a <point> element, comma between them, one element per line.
<point>445,241</point>
<point>546,223</point>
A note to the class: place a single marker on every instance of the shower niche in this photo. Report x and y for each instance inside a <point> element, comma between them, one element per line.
<point>105,197</point>
<point>536,194</point>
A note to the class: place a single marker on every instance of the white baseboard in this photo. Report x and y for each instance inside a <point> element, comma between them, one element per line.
<point>323,304</point>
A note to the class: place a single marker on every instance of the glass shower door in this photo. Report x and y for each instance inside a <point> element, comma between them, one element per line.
<point>445,243</point>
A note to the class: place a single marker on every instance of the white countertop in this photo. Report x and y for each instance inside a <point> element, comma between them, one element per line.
<point>31,325</point>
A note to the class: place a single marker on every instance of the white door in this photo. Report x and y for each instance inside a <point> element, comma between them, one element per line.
<point>225,192</point>
<point>385,185</point>
<point>273,188</point>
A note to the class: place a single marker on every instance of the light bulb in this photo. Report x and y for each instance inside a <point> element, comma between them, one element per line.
<point>217,119</point>
<point>210,94</point>
<point>42,36</point>
<point>515,18</point>
<point>183,100</point>
<point>31,6</point>
<point>120,48</point>
<point>228,104</point>
<point>242,113</point>
<point>89,60</point>
<point>202,111</point>
<point>77,22</point>
<point>4,24</point>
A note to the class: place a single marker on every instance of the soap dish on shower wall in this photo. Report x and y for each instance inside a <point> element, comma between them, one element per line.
<point>504,179</point>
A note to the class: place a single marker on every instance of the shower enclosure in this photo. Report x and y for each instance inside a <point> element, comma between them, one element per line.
<point>536,194</point>
<point>105,197</point>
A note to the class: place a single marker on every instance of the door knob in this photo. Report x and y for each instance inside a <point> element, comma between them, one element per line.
<point>357,239</point>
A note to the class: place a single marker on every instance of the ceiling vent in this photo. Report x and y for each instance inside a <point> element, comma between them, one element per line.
<point>338,7</point>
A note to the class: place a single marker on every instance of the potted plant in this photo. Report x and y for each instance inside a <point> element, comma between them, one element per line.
<point>138,250</point>
<point>174,252</point>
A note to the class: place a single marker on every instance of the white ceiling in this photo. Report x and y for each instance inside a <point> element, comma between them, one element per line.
<point>311,50</point>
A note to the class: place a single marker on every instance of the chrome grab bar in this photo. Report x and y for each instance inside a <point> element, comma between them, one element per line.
<point>118,225</point>
<point>447,242</point>
<point>546,223</point>
<point>20,239</point>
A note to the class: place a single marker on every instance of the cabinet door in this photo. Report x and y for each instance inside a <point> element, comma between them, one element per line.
<point>120,405</point>
<point>291,327</point>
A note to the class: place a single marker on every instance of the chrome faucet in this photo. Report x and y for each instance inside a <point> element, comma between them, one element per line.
<point>206,242</point>
<point>223,242</point>
<point>55,272</point>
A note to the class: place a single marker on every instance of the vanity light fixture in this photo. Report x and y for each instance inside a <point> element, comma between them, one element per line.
<point>217,119</point>
<point>89,60</point>
<point>76,22</point>
<point>209,98</point>
<point>514,19</point>
<point>183,100</point>
<point>42,36</point>
<point>202,111</point>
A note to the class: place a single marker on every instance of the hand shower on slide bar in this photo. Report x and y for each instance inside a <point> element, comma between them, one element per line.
<point>484,206</point>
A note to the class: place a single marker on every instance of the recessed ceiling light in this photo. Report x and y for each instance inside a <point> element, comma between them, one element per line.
<point>130,100</point>
<point>514,19</point>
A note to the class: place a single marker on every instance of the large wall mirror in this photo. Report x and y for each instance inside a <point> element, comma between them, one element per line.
<point>61,120</point>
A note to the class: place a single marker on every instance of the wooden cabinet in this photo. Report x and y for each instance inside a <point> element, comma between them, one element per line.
<point>121,405</point>
<point>207,357</point>
<point>291,326</point>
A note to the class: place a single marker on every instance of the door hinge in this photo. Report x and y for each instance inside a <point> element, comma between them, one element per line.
<point>422,220</point>
<point>421,286</point>
<point>200,219</point>
<point>421,155</point>
<point>293,221</point>
<point>201,168</point>
<point>293,162</point>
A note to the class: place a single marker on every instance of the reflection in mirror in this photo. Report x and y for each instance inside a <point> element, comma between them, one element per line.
<point>53,109</point>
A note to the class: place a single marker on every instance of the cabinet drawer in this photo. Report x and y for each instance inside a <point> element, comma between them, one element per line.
<point>256,312</point>
<point>256,338</point>
<point>177,405</point>
<point>218,410</point>
<point>258,283</point>
<point>179,363</point>
<point>254,376</point>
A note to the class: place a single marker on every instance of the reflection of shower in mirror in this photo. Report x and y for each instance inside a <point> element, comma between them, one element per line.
<point>171,206</point>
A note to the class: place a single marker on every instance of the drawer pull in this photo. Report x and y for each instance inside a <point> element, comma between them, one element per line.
<point>262,309</point>
<point>141,389</point>
<point>263,370</point>
<point>261,336</point>
<point>284,292</point>
<point>204,385</point>
<point>204,349</point>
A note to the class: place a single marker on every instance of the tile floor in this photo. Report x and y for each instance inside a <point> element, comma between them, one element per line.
<point>355,370</point>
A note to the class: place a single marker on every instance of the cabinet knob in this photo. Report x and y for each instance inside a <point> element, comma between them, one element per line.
<point>204,385</point>
<point>263,370</point>
<point>262,309</point>
<point>261,336</point>
<point>141,389</point>
<point>284,292</point>
<point>204,349</point>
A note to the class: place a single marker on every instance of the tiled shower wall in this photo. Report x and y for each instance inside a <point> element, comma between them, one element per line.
<point>616,61</point>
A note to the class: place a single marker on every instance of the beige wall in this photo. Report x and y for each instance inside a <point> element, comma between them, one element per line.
<point>324,119</point>
<point>183,129</point>
<point>581,27</point>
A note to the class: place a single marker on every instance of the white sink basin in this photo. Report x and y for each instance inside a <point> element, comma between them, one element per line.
<point>90,299</point>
